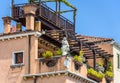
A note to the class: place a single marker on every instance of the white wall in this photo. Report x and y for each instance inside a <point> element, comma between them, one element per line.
<point>116,50</point>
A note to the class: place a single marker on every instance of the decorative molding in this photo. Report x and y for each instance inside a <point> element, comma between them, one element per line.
<point>58,73</point>
<point>115,44</point>
<point>13,58</point>
<point>19,35</point>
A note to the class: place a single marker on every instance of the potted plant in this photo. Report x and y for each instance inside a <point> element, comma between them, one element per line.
<point>58,52</point>
<point>78,61</point>
<point>100,67</point>
<point>100,64</point>
<point>50,62</point>
<point>81,53</point>
<point>47,55</point>
<point>109,76</point>
<point>93,74</point>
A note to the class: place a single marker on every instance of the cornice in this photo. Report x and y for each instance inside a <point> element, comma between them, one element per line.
<point>19,35</point>
<point>58,73</point>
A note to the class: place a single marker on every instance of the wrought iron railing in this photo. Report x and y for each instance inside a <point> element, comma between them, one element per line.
<point>46,13</point>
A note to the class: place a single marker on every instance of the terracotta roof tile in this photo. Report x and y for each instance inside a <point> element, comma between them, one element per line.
<point>91,39</point>
<point>96,44</point>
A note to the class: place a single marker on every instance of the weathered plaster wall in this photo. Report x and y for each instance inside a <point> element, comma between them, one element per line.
<point>7,47</point>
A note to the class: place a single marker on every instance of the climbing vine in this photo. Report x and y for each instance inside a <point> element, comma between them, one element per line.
<point>63,1</point>
<point>33,1</point>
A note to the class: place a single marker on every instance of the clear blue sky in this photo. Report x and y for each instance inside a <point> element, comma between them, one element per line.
<point>94,17</point>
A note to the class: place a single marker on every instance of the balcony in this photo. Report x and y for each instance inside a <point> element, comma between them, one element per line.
<point>44,13</point>
<point>59,68</point>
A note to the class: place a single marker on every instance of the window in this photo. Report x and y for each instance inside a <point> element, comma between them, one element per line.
<point>118,61</point>
<point>18,58</point>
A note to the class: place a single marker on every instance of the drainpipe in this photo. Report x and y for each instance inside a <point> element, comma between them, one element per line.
<point>35,79</point>
<point>29,49</point>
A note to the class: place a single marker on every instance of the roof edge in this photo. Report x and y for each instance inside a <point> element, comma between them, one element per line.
<point>65,72</point>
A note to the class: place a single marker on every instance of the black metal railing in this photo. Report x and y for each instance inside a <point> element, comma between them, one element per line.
<point>45,12</point>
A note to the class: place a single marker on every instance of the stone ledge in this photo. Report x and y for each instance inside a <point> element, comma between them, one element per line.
<point>16,65</point>
<point>64,72</point>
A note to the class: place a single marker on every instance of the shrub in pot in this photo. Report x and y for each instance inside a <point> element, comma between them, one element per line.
<point>109,76</point>
<point>47,54</point>
<point>78,61</point>
<point>58,52</point>
<point>93,74</point>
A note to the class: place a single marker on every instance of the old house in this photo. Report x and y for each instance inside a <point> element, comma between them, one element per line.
<point>34,55</point>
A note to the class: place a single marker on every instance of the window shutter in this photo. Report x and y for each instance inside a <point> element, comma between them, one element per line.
<point>118,57</point>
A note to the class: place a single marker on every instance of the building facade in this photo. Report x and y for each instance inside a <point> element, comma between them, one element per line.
<point>116,52</point>
<point>32,56</point>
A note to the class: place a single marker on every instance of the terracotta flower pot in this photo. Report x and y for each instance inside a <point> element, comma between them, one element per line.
<point>94,78</point>
<point>77,65</point>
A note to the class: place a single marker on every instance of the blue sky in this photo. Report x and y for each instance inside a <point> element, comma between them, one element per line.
<point>94,17</point>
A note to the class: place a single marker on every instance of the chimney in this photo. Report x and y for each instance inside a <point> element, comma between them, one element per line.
<point>7,24</point>
<point>37,26</point>
<point>18,27</point>
<point>29,11</point>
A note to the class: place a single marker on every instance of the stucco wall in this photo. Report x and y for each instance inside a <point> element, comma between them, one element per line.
<point>116,70</point>
<point>7,47</point>
<point>60,66</point>
<point>7,74</point>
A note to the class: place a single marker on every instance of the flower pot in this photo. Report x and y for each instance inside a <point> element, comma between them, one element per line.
<point>51,63</point>
<point>108,79</point>
<point>48,59</point>
<point>94,78</point>
<point>77,65</point>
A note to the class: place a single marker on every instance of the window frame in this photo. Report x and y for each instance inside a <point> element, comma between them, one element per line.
<point>14,59</point>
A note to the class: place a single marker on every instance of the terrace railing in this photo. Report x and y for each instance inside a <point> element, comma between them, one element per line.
<point>45,13</point>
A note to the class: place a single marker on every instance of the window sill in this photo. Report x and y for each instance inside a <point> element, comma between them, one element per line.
<point>16,65</point>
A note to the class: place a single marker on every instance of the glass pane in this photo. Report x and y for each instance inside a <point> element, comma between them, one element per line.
<point>18,58</point>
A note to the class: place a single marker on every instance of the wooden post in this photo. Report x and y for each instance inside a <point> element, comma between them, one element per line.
<point>94,59</point>
<point>74,20</point>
